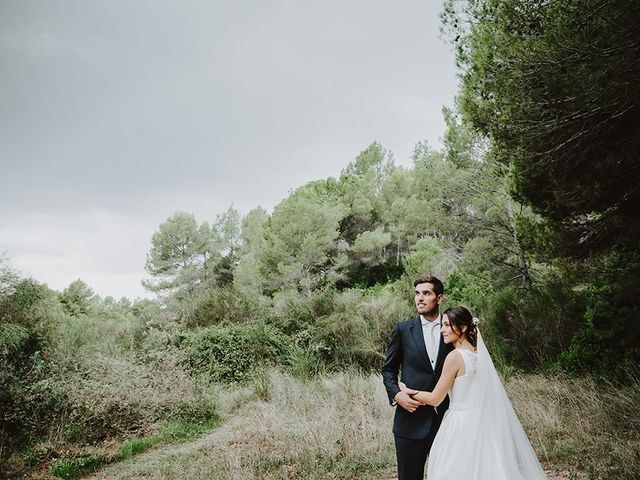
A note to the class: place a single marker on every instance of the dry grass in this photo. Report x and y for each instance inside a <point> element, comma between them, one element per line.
<point>338,427</point>
<point>579,426</point>
<point>119,394</point>
<point>332,427</point>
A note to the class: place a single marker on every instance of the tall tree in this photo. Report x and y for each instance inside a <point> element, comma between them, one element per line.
<point>556,87</point>
<point>302,248</point>
<point>360,187</point>
<point>180,255</point>
<point>78,298</point>
<point>247,275</point>
<point>226,232</point>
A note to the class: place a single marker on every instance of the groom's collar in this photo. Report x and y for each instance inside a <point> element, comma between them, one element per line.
<point>424,321</point>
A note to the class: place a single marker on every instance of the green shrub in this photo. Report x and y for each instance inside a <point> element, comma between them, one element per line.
<point>93,334</point>
<point>28,324</point>
<point>24,402</point>
<point>295,314</point>
<point>16,342</point>
<point>232,353</point>
<point>20,306</point>
<point>357,331</point>
<point>608,344</point>
<point>593,355</point>
<point>364,275</point>
<point>532,327</point>
<point>114,396</point>
<point>340,329</point>
<point>304,363</point>
<point>474,293</point>
<point>224,305</point>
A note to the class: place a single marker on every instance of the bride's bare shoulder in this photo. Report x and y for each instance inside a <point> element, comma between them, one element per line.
<point>454,357</point>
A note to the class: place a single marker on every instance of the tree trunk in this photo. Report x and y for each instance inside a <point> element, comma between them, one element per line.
<point>522,260</point>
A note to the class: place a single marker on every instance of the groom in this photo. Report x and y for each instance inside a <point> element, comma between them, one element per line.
<point>417,350</point>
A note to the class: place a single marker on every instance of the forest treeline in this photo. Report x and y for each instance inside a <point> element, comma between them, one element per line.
<point>528,214</point>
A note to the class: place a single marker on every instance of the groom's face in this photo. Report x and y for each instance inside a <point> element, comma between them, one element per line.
<point>426,299</point>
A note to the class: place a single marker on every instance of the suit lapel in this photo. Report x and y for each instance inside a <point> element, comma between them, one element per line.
<point>418,337</point>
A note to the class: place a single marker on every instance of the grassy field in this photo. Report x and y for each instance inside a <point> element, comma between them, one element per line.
<point>338,427</point>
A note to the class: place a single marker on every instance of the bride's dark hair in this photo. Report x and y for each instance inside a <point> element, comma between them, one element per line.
<point>461,317</point>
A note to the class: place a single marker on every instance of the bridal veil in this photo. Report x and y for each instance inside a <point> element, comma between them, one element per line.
<point>498,443</point>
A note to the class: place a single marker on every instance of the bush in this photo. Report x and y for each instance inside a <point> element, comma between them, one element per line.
<point>295,314</point>
<point>340,329</point>
<point>27,326</point>
<point>607,346</point>
<point>17,342</point>
<point>112,396</point>
<point>304,363</point>
<point>232,353</point>
<point>365,275</point>
<point>24,403</point>
<point>21,305</point>
<point>82,336</point>
<point>224,305</point>
<point>357,332</point>
<point>533,327</point>
<point>471,292</point>
<point>586,355</point>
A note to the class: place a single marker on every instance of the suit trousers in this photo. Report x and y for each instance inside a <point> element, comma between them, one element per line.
<point>412,456</point>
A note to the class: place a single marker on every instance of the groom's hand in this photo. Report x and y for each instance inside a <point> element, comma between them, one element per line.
<point>409,391</point>
<point>405,401</point>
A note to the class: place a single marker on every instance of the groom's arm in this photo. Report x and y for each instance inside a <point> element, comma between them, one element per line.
<point>390,371</point>
<point>391,366</point>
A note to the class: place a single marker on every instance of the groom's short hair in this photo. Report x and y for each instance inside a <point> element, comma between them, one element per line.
<point>438,287</point>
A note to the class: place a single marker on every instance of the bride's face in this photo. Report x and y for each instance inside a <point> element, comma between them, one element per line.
<point>449,335</point>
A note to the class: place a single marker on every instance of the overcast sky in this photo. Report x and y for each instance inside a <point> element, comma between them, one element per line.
<point>116,114</point>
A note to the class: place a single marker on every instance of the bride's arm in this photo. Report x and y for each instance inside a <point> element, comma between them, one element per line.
<point>452,365</point>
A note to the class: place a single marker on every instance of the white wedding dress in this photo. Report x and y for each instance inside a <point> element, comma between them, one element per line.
<point>481,437</point>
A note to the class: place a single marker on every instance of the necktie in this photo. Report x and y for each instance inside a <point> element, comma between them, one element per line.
<point>431,341</point>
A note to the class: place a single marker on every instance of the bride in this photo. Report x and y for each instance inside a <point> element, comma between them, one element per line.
<point>480,437</point>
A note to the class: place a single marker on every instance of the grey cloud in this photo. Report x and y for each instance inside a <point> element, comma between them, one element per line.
<point>143,108</point>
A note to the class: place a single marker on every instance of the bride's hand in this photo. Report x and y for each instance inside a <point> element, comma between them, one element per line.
<point>405,389</point>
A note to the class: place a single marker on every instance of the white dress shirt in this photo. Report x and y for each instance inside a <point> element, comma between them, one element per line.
<point>431,333</point>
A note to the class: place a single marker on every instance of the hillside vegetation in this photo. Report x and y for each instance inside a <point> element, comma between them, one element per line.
<point>527,214</point>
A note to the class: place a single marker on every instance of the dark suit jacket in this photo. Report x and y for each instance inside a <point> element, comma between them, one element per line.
<point>407,354</point>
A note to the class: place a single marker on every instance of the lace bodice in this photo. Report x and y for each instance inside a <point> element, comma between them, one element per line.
<point>462,385</point>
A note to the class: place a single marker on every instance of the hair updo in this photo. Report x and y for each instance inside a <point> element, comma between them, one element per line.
<point>460,317</point>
